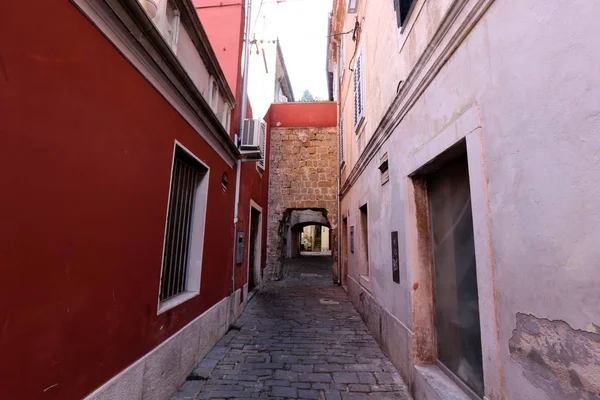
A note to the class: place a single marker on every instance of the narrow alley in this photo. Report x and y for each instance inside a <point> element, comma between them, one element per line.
<point>299,338</point>
<point>314,199</point>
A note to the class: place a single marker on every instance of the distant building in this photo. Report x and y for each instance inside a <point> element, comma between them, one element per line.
<point>469,150</point>
<point>303,158</point>
<point>269,80</point>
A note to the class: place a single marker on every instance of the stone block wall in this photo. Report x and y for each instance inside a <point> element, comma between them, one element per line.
<point>303,175</point>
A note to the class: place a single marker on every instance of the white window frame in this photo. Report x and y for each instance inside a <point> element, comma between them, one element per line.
<point>224,117</point>
<point>196,249</point>
<point>160,19</point>
<point>176,22</point>
<point>213,94</point>
<point>359,96</point>
<point>228,119</point>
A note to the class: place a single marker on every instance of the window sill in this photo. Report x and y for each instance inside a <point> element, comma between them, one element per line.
<point>365,282</point>
<point>432,383</point>
<point>175,301</point>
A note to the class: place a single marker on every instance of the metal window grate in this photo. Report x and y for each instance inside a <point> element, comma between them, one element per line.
<point>184,182</point>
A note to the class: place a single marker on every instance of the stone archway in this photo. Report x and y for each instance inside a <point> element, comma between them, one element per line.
<point>296,221</point>
<point>302,178</point>
<point>287,230</point>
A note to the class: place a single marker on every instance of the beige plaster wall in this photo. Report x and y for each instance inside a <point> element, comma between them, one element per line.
<point>522,89</point>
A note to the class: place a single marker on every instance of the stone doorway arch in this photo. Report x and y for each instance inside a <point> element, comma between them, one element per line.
<point>286,237</point>
<point>298,219</point>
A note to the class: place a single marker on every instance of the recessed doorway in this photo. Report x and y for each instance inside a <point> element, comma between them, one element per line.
<point>254,256</point>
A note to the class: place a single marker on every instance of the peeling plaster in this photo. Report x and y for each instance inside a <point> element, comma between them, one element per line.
<point>562,361</point>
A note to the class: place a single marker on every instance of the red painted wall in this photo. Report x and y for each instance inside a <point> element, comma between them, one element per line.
<point>224,25</point>
<point>288,115</point>
<point>223,22</point>
<point>85,160</point>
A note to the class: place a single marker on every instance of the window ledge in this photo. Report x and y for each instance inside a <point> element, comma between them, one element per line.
<point>175,301</point>
<point>432,383</point>
<point>365,282</point>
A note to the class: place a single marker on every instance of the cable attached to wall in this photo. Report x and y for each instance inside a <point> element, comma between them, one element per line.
<point>356,38</point>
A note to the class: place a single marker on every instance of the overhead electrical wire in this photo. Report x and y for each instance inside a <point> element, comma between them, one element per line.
<point>241,4</point>
<point>305,38</point>
<point>257,15</point>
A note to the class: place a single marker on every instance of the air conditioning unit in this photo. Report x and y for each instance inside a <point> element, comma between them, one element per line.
<point>253,136</point>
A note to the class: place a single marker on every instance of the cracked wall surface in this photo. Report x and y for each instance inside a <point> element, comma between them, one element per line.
<point>562,361</point>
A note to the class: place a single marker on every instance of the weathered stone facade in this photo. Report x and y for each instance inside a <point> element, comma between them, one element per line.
<point>303,164</point>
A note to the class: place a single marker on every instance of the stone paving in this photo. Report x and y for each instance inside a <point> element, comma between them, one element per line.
<point>298,338</point>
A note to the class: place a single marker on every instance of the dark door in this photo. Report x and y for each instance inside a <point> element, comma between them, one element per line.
<point>252,268</point>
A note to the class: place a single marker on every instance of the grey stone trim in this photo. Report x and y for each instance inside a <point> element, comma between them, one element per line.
<point>158,374</point>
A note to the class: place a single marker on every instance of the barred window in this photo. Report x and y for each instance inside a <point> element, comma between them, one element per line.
<point>184,236</point>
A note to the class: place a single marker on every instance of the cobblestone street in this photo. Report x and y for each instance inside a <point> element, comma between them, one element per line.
<point>299,338</point>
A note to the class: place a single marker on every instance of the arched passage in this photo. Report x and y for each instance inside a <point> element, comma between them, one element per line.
<point>296,222</point>
<point>308,237</point>
<point>303,176</point>
<point>288,243</point>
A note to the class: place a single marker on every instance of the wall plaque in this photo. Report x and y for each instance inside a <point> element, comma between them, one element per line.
<point>395,258</point>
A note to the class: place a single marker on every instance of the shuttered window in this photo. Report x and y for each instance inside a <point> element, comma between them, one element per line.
<point>402,8</point>
<point>359,91</point>
<point>183,220</point>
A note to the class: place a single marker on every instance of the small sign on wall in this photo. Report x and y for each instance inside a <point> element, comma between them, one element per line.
<point>384,169</point>
<point>351,239</point>
<point>395,258</point>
